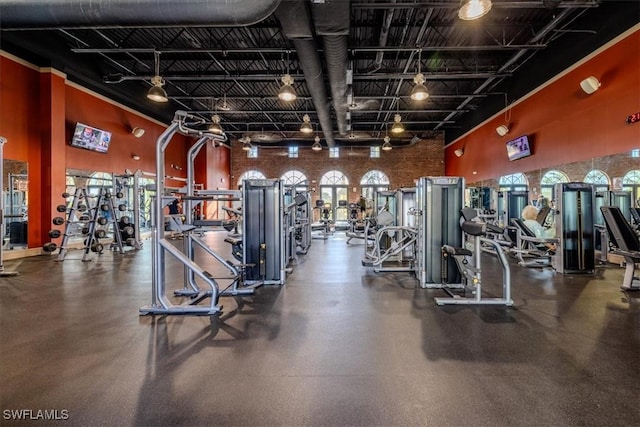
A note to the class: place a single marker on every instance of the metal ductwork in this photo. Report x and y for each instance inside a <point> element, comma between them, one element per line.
<point>332,22</point>
<point>296,25</point>
<point>134,13</point>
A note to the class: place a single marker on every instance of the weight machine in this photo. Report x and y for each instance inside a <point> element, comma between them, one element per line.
<point>470,265</point>
<point>621,199</point>
<point>262,230</point>
<point>186,124</point>
<point>575,252</point>
<point>438,203</point>
<point>624,242</point>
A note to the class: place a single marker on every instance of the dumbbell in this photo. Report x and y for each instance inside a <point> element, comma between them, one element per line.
<point>128,230</point>
<point>101,234</point>
<point>122,207</point>
<point>49,247</point>
<point>130,241</point>
<point>97,247</point>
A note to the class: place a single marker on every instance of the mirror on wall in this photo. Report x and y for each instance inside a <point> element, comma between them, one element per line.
<point>92,183</point>
<point>16,210</point>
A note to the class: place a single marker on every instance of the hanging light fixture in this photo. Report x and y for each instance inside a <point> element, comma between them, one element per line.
<point>156,92</point>
<point>386,146</point>
<point>316,144</point>
<point>246,143</point>
<point>419,91</point>
<point>224,106</point>
<point>215,125</point>
<point>473,9</point>
<point>397,126</point>
<point>306,124</point>
<point>287,93</point>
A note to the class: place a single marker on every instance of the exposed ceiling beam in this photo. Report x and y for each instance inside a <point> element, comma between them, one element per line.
<point>305,98</point>
<point>426,111</point>
<point>455,5</point>
<point>280,51</point>
<point>270,77</point>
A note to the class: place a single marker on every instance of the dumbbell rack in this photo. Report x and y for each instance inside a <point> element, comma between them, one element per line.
<point>103,203</point>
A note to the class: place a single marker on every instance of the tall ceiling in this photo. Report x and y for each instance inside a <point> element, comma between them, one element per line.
<point>352,61</point>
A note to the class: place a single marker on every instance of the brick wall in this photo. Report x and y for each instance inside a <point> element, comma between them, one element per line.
<point>614,166</point>
<point>402,164</point>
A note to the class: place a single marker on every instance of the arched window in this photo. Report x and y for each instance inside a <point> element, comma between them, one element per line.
<point>598,178</point>
<point>514,182</point>
<point>334,178</point>
<point>373,181</point>
<point>631,182</point>
<point>549,179</point>
<point>250,174</point>
<point>294,178</point>
<point>334,188</point>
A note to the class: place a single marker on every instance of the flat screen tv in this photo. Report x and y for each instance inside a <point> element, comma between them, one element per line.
<point>90,138</point>
<point>518,148</point>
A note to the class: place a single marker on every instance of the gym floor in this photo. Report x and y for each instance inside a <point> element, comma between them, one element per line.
<point>337,345</point>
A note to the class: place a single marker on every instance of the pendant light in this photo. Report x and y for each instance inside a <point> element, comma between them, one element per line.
<point>156,92</point>
<point>316,144</point>
<point>287,93</point>
<point>386,146</point>
<point>306,124</point>
<point>215,125</point>
<point>419,91</point>
<point>397,126</point>
<point>473,9</point>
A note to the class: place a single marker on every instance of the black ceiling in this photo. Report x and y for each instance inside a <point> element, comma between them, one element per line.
<point>472,68</point>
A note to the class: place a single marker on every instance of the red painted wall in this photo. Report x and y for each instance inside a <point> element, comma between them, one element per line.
<point>565,124</point>
<point>85,108</point>
<point>38,112</point>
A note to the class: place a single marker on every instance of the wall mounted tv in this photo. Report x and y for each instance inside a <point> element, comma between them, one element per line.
<point>90,138</point>
<point>518,148</point>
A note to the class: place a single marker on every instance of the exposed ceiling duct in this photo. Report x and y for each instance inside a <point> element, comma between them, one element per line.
<point>296,25</point>
<point>122,13</point>
<point>331,20</point>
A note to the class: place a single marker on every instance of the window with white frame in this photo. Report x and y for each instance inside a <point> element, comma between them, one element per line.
<point>550,179</point>
<point>252,153</point>
<point>294,178</point>
<point>293,152</point>
<point>631,182</point>
<point>374,152</point>
<point>598,178</point>
<point>513,182</point>
<point>334,152</point>
<point>250,174</point>
<point>373,181</point>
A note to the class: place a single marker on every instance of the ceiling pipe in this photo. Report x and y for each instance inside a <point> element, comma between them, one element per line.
<point>332,22</point>
<point>296,24</point>
<point>126,13</point>
<point>382,40</point>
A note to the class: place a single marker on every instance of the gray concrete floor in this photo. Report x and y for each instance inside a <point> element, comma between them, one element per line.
<point>337,345</point>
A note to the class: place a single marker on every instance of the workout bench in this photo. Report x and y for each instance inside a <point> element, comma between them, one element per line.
<point>624,242</point>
